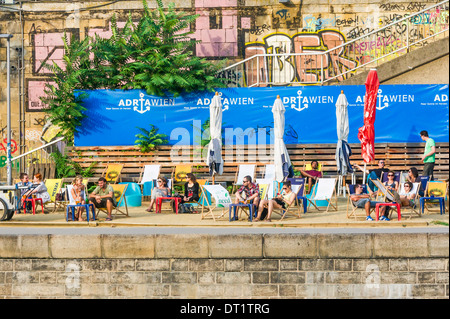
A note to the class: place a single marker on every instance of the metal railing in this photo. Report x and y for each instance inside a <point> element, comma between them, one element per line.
<point>34,161</point>
<point>317,58</point>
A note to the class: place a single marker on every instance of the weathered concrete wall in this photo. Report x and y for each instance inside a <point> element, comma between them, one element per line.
<point>413,265</point>
<point>231,29</point>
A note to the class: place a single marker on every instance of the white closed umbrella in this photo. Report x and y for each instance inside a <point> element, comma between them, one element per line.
<point>214,159</point>
<point>343,150</point>
<point>281,157</point>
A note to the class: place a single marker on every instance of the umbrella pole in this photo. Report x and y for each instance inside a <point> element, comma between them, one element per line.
<point>213,178</point>
<point>364,175</point>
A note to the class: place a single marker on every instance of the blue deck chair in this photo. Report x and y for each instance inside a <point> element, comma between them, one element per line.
<point>133,195</point>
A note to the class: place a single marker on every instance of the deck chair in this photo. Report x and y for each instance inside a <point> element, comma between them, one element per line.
<point>325,189</point>
<point>403,177</point>
<point>283,212</point>
<point>269,173</point>
<point>244,170</point>
<point>354,213</point>
<point>415,209</point>
<point>435,193</point>
<point>384,177</point>
<point>301,193</point>
<point>423,184</point>
<point>53,188</point>
<point>121,200</point>
<point>385,193</point>
<point>308,167</point>
<point>179,173</point>
<point>149,173</point>
<point>112,173</point>
<point>222,199</point>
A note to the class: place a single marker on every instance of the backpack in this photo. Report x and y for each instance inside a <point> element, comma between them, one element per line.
<point>185,209</point>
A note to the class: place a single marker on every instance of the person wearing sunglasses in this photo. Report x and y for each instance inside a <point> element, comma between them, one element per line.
<point>362,200</point>
<point>391,184</point>
<point>409,197</point>
<point>282,200</point>
<point>374,173</point>
<point>248,193</point>
<point>161,190</point>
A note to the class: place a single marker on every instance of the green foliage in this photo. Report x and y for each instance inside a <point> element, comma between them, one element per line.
<point>65,167</point>
<point>148,140</point>
<point>155,55</point>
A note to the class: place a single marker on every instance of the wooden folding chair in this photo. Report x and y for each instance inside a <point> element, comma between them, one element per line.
<point>221,199</point>
<point>385,193</point>
<point>435,193</point>
<point>179,173</point>
<point>53,188</point>
<point>288,210</point>
<point>269,173</point>
<point>149,173</point>
<point>119,194</point>
<point>112,173</point>
<point>354,212</point>
<point>244,170</point>
<point>324,189</point>
<point>415,209</point>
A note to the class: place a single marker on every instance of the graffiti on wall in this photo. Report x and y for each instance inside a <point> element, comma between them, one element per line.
<point>284,68</point>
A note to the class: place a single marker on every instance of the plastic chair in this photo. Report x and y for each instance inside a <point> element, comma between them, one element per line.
<point>133,195</point>
<point>33,204</point>
<point>72,205</point>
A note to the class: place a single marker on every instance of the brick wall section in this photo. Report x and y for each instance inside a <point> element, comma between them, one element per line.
<point>225,266</point>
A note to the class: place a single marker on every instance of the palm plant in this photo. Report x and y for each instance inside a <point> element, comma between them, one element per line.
<point>148,140</point>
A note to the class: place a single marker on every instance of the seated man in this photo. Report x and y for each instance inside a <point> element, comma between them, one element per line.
<point>24,181</point>
<point>312,174</point>
<point>375,173</point>
<point>103,197</point>
<point>248,192</point>
<point>362,200</point>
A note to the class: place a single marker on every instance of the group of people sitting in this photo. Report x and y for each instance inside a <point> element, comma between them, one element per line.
<point>191,190</point>
<point>101,197</point>
<point>405,198</point>
<point>249,193</point>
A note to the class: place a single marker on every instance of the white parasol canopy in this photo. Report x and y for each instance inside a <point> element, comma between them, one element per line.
<point>281,157</point>
<point>343,150</point>
<point>214,158</point>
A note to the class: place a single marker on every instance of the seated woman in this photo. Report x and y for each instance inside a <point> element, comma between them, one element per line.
<point>78,194</point>
<point>40,191</point>
<point>390,183</point>
<point>408,198</point>
<point>282,201</point>
<point>191,189</point>
<point>161,190</point>
<point>413,175</point>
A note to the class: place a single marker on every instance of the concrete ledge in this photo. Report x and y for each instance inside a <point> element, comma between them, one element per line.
<point>158,246</point>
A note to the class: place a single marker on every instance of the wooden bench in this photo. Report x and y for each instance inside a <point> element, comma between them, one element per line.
<point>398,156</point>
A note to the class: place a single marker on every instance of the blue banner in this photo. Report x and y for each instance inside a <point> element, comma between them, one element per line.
<point>113,117</point>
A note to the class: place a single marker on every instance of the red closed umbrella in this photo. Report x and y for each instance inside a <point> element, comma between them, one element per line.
<point>366,134</point>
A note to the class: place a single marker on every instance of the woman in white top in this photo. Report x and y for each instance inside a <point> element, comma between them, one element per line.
<point>408,198</point>
<point>282,201</point>
<point>40,191</point>
<point>79,195</point>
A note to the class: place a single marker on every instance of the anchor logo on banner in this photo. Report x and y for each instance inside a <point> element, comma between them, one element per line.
<point>142,110</point>
<point>299,107</point>
<point>386,104</point>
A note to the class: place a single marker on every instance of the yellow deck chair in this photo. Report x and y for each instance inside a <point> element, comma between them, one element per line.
<point>119,194</point>
<point>112,173</point>
<point>179,173</point>
<point>53,188</point>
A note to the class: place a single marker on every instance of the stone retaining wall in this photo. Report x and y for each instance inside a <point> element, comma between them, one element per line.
<point>225,266</point>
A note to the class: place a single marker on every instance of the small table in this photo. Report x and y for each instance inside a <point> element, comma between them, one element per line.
<point>397,205</point>
<point>249,206</point>
<point>159,203</point>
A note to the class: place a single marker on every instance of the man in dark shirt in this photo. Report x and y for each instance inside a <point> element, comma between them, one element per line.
<point>375,173</point>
